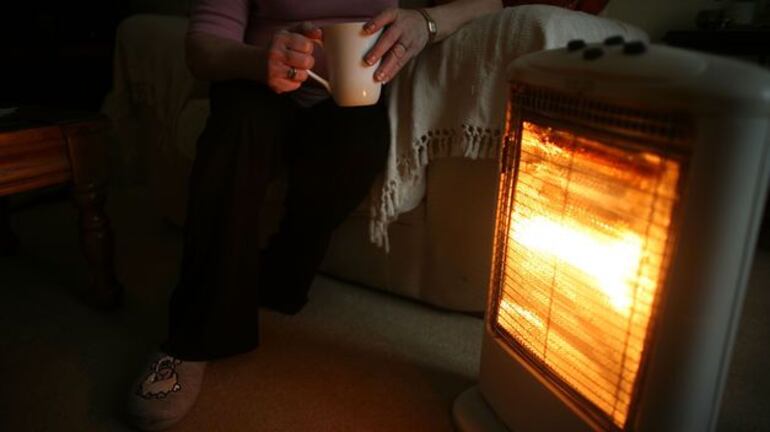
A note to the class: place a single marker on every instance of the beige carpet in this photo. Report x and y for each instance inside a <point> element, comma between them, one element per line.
<point>354,360</point>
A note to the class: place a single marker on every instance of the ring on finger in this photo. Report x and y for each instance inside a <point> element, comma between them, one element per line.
<point>398,50</point>
<point>292,73</point>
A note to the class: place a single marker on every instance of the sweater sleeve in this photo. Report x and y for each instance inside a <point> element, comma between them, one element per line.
<point>223,18</point>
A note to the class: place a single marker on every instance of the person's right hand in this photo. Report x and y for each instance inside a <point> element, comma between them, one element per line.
<point>290,55</point>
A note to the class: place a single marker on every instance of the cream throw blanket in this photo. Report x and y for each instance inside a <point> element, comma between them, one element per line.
<point>451,99</point>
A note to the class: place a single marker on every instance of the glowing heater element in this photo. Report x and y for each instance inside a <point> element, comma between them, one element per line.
<point>589,232</point>
<point>611,263</point>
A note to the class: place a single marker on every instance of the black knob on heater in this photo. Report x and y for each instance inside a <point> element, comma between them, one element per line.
<point>576,44</point>
<point>593,53</point>
<point>614,40</point>
<point>635,48</point>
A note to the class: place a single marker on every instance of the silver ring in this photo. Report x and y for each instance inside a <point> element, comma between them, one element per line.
<point>292,72</point>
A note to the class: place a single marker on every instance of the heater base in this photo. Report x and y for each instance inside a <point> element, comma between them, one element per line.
<point>471,413</point>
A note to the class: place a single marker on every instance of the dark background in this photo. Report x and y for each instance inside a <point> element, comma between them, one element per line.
<point>57,53</point>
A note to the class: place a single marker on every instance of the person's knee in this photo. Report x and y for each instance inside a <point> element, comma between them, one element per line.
<point>378,139</point>
<point>366,133</point>
<point>380,149</point>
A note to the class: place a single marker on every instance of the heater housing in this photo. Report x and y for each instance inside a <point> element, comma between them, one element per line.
<point>632,185</point>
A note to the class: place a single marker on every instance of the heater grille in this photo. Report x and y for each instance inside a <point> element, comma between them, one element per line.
<point>672,130</point>
<point>584,236</point>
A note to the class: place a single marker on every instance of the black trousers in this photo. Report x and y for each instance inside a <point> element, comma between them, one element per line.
<point>331,155</point>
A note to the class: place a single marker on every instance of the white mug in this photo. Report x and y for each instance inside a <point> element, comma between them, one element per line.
<point>351,81</point>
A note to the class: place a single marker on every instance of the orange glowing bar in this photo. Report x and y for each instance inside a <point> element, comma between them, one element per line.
<point>586,255</point>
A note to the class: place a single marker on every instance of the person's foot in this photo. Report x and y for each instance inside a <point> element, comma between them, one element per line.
<point>164,392</point>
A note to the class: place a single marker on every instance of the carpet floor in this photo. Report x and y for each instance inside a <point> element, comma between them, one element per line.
<point>353,360</point>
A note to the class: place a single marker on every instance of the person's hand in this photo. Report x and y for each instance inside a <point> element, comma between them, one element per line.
<point>289,57</point>
<point>405,36</point>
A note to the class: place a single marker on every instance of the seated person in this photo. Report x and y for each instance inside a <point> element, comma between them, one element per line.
<point>266,115</point>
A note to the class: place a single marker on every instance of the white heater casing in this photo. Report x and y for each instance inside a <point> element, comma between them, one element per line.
<point>728,104</point>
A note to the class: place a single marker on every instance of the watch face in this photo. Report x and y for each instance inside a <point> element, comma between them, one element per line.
<point>432,27</point>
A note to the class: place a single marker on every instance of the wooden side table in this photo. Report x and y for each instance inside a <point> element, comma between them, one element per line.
<point>40,148</point>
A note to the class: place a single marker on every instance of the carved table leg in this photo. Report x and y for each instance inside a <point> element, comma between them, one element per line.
<point>8,241</point>
<point>87,157</point>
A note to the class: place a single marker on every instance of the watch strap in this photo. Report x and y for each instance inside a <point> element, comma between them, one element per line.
<point>432,27</point>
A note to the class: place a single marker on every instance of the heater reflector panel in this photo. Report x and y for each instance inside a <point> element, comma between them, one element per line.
<point>583,263</point>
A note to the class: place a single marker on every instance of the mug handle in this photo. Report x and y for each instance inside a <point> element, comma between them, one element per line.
<point>323,82</point>
<point>315,76</point>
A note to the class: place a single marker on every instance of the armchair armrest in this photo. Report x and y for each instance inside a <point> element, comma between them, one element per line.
<point>151,89</point>
<point>150,67</point>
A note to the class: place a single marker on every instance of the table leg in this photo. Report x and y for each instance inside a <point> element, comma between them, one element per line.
<point>89,167</point>
<point>8,241</point>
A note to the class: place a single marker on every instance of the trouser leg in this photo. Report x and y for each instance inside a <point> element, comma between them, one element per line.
<point>213,311</point>
<point>332,166</point>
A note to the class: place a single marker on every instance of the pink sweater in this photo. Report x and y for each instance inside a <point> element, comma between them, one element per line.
<point>255,21</point>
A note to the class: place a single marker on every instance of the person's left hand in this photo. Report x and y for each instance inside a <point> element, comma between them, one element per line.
<point>405,36</point>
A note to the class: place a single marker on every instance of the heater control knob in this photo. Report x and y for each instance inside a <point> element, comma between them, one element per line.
<point>576,44</point>
<point>593,53</point>
<point>635,48</point>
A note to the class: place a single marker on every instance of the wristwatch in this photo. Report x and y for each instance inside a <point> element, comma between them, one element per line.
<point>432,28</point>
